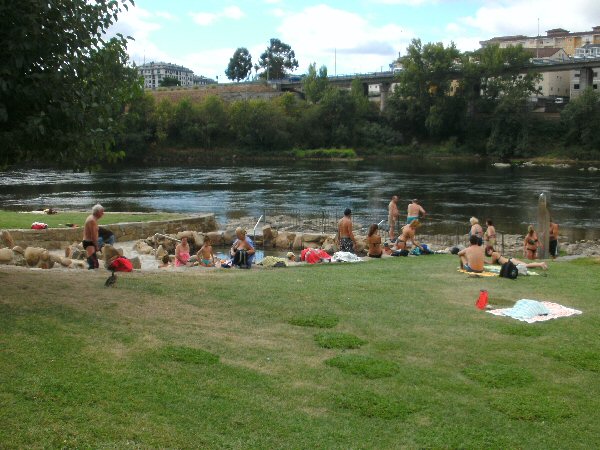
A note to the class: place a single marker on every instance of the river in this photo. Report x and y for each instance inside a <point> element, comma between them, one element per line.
<point>450,191</point>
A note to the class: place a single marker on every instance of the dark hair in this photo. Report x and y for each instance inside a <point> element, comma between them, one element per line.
<point>489,222</point>
<point>372,229</point>
<point>206,240</point>
<point>489,251</point>
<point>166,259</point>
<point>474,239</point>
<point>347,212</point>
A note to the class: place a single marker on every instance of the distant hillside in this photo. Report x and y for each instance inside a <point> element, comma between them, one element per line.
<point>228,92</point>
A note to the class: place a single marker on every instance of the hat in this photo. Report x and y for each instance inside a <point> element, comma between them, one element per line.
<point>290,255</point>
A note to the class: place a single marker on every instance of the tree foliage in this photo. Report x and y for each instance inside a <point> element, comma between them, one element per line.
<point>581,118</point>
<point>277,60</point>
<point>315,83</point>
<point>240,65</point>
<point>169,81</point>
<point>62,86</point>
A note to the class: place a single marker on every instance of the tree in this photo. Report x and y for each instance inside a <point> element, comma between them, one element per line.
<point>582,119</point>
<point>63,86</point>
<point>240,65</point>
<point>169,81</point>
<point>315,84</point>
<point>277,60</point>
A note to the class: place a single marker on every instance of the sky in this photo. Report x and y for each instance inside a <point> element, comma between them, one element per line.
<point>350,36</point>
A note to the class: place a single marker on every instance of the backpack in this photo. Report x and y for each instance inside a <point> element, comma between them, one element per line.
<point>509,270</point>
<point>121,264</point>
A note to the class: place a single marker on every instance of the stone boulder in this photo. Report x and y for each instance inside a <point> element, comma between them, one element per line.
<point>312,237</point>
<point>33,255</point>
<point>109,252</point>
<point>19,250</point>
<point>299,242</point>
<point>136,263</point>
<point>329,245</point>
<point>197,239</point>
<point>217,239</point>
<point>65,262</point>
<point>6,256</point>
<point>143,248</point>
<point>228,236</point>
<point>46,260</point>
<point>8,239</point>
<point>161,252</point>
<point>285,240</point>
<point>187,234</point>
<point>269,235</point>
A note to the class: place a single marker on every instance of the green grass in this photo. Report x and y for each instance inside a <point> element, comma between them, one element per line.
<point>14,219</point>
<point>339,340</point>
<point>325,153</point>
<point>228,359</point>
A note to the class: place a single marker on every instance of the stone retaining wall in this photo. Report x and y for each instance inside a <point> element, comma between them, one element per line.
<point>59,238</point>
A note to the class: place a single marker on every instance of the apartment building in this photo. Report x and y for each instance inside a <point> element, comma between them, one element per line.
<point>155,72</point>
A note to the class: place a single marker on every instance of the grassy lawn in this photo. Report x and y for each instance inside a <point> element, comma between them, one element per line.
<point>385,354</point>
<point>14,219</point>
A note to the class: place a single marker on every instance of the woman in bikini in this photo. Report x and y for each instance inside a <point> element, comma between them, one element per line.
<point>182,253</point>
<point>530,244</point>
<point>205,254</point>
<point>490,237</point>
<point>374,241</point>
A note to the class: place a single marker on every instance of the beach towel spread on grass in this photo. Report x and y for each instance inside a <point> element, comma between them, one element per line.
<point>479,274</point>
<point>345,257</point>
<point>520,267</point>
<point>530,311</point>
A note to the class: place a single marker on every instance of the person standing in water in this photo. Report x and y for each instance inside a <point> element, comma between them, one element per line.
<point>414,211</point>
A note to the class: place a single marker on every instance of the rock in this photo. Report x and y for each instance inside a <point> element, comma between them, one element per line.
<point>109,252</point>
<point>329,245</point>
<point>66,262</point>
<point>228,236</point>
<point>8,239</point>
<point>501,165</point>
<point>6,256</point>
<point>312,237</point>
<point>285,240</point>
<point>592,169</point>
<point>45,261</point>
<point>198,239</point>
<point>217,239</point>
<point>136,263</point>
<point>298,243</point>
<point>19,250</point>
<point>19,260</point>
<point>33,255</point>
<point>79,264</point>
<point>268,235</point>
<point>187,234</point>
<point>142,248</point>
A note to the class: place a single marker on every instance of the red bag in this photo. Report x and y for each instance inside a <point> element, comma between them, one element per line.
<point>121,264</point>
<point>482,301</point>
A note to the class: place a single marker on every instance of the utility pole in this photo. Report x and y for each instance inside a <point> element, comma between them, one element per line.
<point>537,41</point>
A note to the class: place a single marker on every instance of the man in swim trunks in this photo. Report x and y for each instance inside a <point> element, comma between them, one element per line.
<point>393,215</point>
<point>471,258</point>
<point>497,258</point>
<point>90,236</point>
<point>414,211</point>
<point>346,239</point>
<point>553,239</point>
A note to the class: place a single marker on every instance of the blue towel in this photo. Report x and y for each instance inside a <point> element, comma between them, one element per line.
<point>526,309</point>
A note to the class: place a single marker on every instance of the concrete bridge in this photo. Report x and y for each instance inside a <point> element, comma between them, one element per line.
<point>386,79</point>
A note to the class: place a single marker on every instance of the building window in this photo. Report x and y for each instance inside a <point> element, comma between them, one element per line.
<point>576,87</point>
<point>595,86</point>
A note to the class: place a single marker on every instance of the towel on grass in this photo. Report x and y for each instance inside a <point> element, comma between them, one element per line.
<point>530,311</point>
<point>477,274</point>
<point>345,257</point>
<point>521,267</point>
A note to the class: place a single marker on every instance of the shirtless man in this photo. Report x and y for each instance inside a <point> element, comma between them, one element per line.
<point>497,258</point>
<point>90,236</point>
<point>408,234</point>
<point>346,239</point>
<point>393,215</point>
<point>553,242</point>
<point>414,211</point>
<point>471,258</point>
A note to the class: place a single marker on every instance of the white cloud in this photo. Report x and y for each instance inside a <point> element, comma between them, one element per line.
<point>272,2</point>
<point>318,32</point>
<point>165,15</point>
<point>406,2</point>
<point>204,19</point>
<point>233,12</point>
<point>510,17</point>
<point>277,12</point>
<point>453,28</point>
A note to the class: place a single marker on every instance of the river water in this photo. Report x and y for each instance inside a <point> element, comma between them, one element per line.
<point>450,191</point>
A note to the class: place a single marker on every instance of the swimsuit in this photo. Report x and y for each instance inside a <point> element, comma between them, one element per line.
<point>468,269</point>
<point>554,247</point>
<point>346,244</point>
<point>206,262</point>
<point>87,244</point>
<point>409,219</point>
<point>374,256</point>
<point>183,255</point>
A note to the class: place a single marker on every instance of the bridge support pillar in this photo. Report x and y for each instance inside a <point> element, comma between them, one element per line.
<point>365,89</point>
<point>586,78</point>
<point>384,90</point>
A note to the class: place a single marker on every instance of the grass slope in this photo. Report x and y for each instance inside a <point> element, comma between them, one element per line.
<point>217,359</point>
<point>14,219</point>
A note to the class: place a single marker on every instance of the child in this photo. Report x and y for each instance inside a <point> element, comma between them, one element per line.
<point>205,254</point>
<point>165,262</point>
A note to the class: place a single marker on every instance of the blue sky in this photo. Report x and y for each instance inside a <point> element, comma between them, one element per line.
<point>349,36</point>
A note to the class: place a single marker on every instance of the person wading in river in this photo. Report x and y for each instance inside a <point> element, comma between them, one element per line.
<point>346,239</point>
<point>90,236</point>
<point>393,215</point>
<point>414,211</point>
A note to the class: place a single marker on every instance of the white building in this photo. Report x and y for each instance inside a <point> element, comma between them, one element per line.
<point>155,72</point>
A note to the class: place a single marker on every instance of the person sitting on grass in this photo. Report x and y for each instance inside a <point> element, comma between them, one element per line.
<point>497,258</point>
<point>374,241</point>
<point>242,250</point>
<point>182,253</point>
<point>471,258</point>
<point>165,262</point>
<point>407,235</point>
<point>205,254</point>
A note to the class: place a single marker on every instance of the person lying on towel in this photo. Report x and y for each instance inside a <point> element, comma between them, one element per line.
<point>471,258</point>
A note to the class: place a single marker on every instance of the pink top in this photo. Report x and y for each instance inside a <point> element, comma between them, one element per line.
<point>183,255</point>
